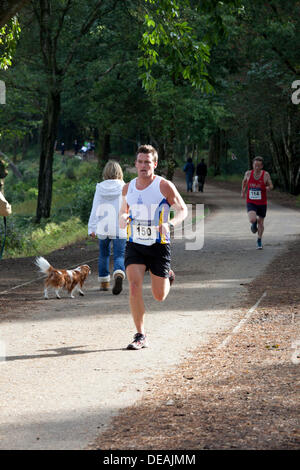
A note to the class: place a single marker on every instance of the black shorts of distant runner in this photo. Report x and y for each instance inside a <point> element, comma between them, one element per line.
<point>260,210</point>
<point>156,257</point>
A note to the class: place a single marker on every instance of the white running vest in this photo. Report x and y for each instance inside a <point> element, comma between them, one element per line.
<point>147,209</point>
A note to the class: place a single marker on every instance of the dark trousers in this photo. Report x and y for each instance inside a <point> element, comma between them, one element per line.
<point>201,181</point>
<point>189,182</point>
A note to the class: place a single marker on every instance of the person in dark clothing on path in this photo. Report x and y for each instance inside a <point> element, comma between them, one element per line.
<point>201,172</point>
<point>189,170</point>
<point>76,147</point>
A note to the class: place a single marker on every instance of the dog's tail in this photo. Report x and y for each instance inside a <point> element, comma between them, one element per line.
<point>43,264</point>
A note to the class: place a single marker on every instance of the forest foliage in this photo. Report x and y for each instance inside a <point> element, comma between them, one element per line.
<point>194,78</point>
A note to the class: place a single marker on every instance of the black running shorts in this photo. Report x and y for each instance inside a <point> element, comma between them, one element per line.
<point>156,257</point>
<point>260,210</point>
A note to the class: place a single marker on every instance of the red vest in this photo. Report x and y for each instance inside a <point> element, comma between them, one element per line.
<point>257,193</point>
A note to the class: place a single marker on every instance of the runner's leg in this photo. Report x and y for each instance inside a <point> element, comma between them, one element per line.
<point>252,217</point>
<point>135,275</point>
<point>260,227</point>
<point>160,287</point>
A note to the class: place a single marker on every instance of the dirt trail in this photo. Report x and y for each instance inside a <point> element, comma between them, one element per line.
<point>244,395</point>
<point>66,372</point>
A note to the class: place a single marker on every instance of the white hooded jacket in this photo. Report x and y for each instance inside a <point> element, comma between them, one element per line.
<point>104,217</point>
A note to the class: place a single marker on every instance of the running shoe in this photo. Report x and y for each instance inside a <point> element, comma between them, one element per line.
<point>118,285</point>
<point>139,342</point>
<point>259,244</point>
<point>254,227</point>
<point>171,276</point>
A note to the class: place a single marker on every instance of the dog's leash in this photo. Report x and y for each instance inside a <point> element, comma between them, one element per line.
<point>3,244</point>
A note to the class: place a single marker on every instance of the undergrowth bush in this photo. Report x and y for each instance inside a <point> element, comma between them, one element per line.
<point>17,236</point>
<point>229,178</point>
<point>74,185</point>
<point>83,200</point>
<point>25,238</point>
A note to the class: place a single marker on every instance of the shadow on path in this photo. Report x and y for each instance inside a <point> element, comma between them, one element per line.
<point>67,351</point>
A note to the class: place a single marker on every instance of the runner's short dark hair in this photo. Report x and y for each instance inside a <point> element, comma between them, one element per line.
<point>258,159</point>
<point>149,150</point>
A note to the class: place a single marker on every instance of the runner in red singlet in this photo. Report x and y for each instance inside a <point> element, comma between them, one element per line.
<point>258,182</point>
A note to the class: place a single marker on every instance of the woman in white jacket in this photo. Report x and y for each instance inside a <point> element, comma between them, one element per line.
<point>104,223</point>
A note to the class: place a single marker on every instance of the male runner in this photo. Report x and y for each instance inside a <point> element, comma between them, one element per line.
<point>258,182</point>
<point>145,211</point>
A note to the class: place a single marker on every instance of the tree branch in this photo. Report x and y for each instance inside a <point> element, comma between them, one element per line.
<point>108,70</point>
<point>86,27</point>
<point>61,22</point>
<point>8,9</point>
<point>282,57</point>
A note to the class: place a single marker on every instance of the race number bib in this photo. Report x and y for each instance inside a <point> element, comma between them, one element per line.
<point>144,234</point>
<point>255,194</point>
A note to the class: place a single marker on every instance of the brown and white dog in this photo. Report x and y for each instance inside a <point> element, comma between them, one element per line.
<point>69,279</point>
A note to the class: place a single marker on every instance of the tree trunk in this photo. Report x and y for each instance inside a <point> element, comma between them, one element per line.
<point>186,152</point>
<point>9,8</point>
<point>12,166</point>
<point>214,152</point>
<point>25,145</point>
<point>51,16</point>
<point>96,142</point>
<point>171,155</point>
<point>193,152</point>
<point>284,144</point>
<point>289,139</point>
<point>161,148</point>
<point>48,136</point>
<point>281,164</point>
<point>251,150</point>
<point>105,147</point>
<point>223,147</point>
<point>197,154</point>
<point>15,151</point>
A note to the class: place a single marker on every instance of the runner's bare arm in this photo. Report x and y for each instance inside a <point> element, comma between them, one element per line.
<point>268,181</point>
<point>175,200</point>
<point>123,214</point>
<point>245,183</point>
